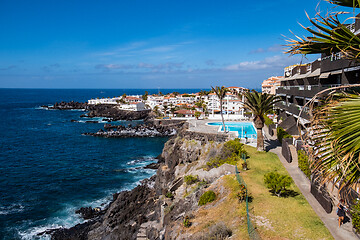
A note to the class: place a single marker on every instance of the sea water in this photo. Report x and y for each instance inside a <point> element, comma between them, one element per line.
<point>48,169</point>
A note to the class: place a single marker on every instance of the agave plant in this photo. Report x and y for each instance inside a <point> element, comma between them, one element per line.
<point>259,104</point>
<point>221,93</point>
<point>336,140</point>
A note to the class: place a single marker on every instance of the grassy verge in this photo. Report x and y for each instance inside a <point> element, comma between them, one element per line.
<point>286,218</point>
<point>275,218</point>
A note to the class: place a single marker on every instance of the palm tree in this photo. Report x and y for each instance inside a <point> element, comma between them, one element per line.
<point>221,93</point>
<point>165,107</point>
<point>329,36</point>
<point>259,104</point>
<point>156,110</point>
<point>336,148</point>
<point>335,138</point>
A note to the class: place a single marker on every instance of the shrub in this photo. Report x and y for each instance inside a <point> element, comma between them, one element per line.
<point>197,114</point>
<point>244,166</point>
<point>233,148</point>
<point>219,231</point>
<point>187,222</point>
<point>355,214</point>
<point>169,195</point>
<point>303,163</point>
<point>241,195</point>
<point>277,183</point>
<point>230,153</point>
<point>281,134</point>
<point>190,179</point>
<point>201,184</point>
<point>207,197</point>
<point>268,121</point>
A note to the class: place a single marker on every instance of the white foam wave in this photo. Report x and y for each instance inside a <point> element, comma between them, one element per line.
<point>142,161</point>
<point>32,233</point>
<point>67,217</point>
<point>14,208</point>
<point>43,108</point>
<point>78,110</point>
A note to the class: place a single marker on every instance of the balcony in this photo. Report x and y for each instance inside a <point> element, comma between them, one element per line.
<point>307,91</point>
<point>335,62</point>
<point>293,109</point>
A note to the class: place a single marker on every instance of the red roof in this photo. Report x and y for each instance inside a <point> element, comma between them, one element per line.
<point>185,112</point>
<point>132,98</point>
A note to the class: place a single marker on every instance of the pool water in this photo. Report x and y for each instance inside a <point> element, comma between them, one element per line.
<point>245,129</point>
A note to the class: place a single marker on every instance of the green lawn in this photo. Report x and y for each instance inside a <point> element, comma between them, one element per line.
<point>277,218</point>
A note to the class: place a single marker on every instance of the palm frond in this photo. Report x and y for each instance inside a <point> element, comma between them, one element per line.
<point>346,3</point>
<point>336,137</point>
<point>329,36</point>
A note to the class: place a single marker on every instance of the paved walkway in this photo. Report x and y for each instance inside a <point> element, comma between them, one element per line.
<point>303,183</point>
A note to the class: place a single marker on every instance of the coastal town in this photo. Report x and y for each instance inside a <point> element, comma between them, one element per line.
<point>164,121</point>
<point>204,104</point>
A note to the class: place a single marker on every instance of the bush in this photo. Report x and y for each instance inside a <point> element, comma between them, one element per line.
<point>187,222</point>
<point>281,134</point>
<point>219,231</point>
<point>242,194</point>
<point>201,184</point>
<point>169,195</point>
<point>277,183</point>
<point>190,179</point>
<point>233,148</point>
<point>268,121</point>
<point>197,114</point>
<point>208,196</point>
<point>244,166</point>
<point>303,163</point>
<point>230,153</point>
<point>355,214</point>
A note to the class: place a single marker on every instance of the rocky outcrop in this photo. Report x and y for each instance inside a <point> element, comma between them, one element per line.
<point>89,212</point>
<point>110,111</point>
<point>141,130</point>
<point>68,106</point>
<point>145,210</point>
<point>113,112</point>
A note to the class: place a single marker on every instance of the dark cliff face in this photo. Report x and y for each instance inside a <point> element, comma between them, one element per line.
<point>104,110</point>
<point>125,215</point>
<point>121,220</point>
<point>144,211</point>
<point>113,112</point>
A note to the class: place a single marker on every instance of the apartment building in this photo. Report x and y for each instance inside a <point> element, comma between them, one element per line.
<point>269,85</point>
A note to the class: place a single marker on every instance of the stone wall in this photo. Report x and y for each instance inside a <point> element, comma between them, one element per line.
<point>204,137</point>
<point>285,151</point>
<point>322,196</point>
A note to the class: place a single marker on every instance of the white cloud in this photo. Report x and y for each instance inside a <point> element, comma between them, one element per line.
<point>277,61</point>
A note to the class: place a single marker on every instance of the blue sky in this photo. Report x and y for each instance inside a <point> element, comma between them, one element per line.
<point>146,44</point>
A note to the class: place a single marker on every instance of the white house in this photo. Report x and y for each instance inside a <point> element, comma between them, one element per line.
<point>139,106</point>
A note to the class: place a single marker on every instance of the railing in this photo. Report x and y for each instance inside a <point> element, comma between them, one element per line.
<point>331,85</point>
<point>351,27</point>
<point>253,234</point>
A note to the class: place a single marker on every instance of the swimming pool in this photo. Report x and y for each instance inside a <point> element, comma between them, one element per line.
<point>245,129</point>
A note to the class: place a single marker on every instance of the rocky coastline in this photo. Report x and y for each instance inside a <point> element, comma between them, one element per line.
<point>67,106</point>
<point>109,111</point>
<point>141,130</point>
<point>145,212</point>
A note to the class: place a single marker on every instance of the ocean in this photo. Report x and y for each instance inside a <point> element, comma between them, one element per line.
<point>48,169</point>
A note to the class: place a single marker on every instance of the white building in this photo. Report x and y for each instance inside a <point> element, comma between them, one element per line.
<point>136,106</point>
<point>103,101</point>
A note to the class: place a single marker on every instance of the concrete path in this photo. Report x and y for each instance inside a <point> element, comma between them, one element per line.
<point>303,183</point>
